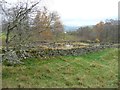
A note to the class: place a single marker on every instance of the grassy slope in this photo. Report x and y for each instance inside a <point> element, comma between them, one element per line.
<point>91,70</point>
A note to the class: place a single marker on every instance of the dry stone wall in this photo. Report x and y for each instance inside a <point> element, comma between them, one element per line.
<point>15,57</point>
<point>61,52</point>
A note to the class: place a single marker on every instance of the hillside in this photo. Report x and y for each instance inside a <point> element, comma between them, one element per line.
<point>91,70</point>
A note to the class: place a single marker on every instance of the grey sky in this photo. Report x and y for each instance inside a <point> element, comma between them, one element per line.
<point>82,12</point>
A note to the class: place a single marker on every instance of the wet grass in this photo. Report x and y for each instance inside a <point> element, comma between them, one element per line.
<point>95,70</point>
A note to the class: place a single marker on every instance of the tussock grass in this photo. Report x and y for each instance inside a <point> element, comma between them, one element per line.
<point>95,70</point>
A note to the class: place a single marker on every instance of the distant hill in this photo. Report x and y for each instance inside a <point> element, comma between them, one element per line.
<point>70,28</point>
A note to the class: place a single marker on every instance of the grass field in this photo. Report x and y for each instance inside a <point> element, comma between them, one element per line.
<point>94,70</point>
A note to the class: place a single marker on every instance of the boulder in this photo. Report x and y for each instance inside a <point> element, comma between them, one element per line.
<point>11,57</point>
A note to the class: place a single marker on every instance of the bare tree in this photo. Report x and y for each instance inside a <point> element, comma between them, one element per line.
<point>57,27</point>
<point>15,17</point>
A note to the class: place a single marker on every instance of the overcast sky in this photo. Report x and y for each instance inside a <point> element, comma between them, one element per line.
<point>83,12</point>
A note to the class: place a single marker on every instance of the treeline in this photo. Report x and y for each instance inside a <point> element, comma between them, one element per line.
<point>101,32</point>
